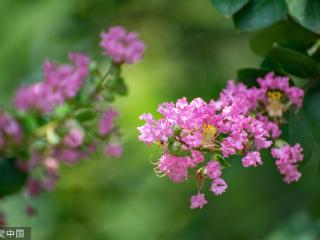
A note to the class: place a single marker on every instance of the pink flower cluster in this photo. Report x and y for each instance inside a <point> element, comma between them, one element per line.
<point>122,46</point>
<point>287,159</point>
<point>106,127</point>
<point>271,82</point>
<point>64,119</point>
<point>61,82</point>
<point>10,130</point>
<point>241,122</point>
<point>202,127</point>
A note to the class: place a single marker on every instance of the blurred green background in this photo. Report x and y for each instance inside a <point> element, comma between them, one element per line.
<point>192,51</point>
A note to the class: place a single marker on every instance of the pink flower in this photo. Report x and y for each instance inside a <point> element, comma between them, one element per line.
<point>213,169</point>
<point>9,127</point>
<point>60,82</point>
<point>49,182</point>
<point>287,159</point>
<point>113,150</point>
<point>237,99</point>
<point>272,82</point>
<point>69,155</point>
<point>233,143</point>
<point>272,127</point>
<point>74,138</point>
<point>218,186</point>
<point>51,164</point>
<point>295,95</point>
<point>252,159</point>
<point>106,122</point>
<point>154,130</point>
<point>66,79</point>
<point>198,201</point>
<point>33,187</point>
<point>122,46</point>
<point>176,168</point>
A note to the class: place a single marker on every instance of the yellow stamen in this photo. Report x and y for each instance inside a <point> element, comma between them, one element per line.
<point>208,135</point>
<point>275,107</point>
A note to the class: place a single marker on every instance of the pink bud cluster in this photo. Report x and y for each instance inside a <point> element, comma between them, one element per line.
<point>242,122</point>
<point>67,116</point>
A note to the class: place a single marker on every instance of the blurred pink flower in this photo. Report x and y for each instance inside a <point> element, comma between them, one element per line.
<point>113,150</point>
<point>198,201</point>
<point>122,46</point>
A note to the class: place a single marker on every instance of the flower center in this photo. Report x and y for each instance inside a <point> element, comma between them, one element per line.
<point>208,135</point>
<point>275,107</point>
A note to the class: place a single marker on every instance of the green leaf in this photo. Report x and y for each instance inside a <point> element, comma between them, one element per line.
<point>298,130</point>
<point>270,64</point>
<point>260,14</point>
<point>295,63</point>
<point>121,87</point>
<point>287,33</point>
<point>28,121</point>
<point>11,178</point>
<point>311,104</point>
<point>306,13</point>
<point>62,111</point>
<point>85,114</point>
<point>229,7</point>
<point>108,96</point>
<point>249,76</point>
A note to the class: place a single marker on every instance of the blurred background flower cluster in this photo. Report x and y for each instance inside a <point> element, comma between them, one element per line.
<point>191,51</point>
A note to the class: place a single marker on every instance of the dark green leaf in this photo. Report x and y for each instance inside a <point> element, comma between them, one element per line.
<point>287,33</point>
<point>121,87</point>
<point>84,115</point>
<point>295,63</point>
<point>11,178</point>
<point>229,7</point>
<point>249,76</point>
<point>270,64</point>
<point>312,109</point>
<point>260,14</point>
<point>306,12</point>
<point>298,130</point>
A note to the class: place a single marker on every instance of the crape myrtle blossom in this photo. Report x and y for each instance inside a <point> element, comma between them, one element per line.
<point>66,117</point>
<point>188,130</point>
<point>10,130</point>
<point>267,102</point>
<point>60,83</point>
<point>122,46</point>
<point>278,88</point>
<point>197,138</point>
<point>198,201</point>
<point>113,150</point>
<point>287,158</point>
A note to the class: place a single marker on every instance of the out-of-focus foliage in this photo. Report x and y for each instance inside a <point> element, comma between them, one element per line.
<point>252,15</point>
<point>192,51</point>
